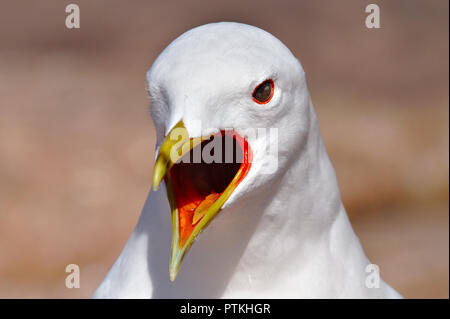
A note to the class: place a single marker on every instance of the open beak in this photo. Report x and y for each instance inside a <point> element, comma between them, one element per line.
<point>197,188</point>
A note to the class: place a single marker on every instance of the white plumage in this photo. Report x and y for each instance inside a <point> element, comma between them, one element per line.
<point>280,235</point>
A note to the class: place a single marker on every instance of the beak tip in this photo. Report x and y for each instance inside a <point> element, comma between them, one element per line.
<point>174,268</point>
<point>156,181</point>
<point>159,171</point>
<point>173,275</point>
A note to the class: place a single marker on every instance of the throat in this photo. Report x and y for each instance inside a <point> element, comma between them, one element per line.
<point>196,188</point>
<point>198,185</point>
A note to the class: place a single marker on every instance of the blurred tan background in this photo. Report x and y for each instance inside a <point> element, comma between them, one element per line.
<point>76,140</point>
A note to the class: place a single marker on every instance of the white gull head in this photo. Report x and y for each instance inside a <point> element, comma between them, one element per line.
<point>273,225</point>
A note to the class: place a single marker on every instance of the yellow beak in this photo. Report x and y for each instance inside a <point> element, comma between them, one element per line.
<point>176,144</point>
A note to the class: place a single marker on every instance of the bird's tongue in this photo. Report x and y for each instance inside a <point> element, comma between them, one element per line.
<point>201,209</point>
<point>191,213</point>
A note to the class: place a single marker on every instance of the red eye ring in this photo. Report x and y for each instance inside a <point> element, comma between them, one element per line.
<point>260,92</point>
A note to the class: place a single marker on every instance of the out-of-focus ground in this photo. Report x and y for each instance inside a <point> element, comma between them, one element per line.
<point>76,140</point>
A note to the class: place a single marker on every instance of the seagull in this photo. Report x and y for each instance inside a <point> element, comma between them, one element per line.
<point>260,217</point>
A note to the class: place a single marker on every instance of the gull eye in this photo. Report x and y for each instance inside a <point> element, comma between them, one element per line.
<point>263,92</point>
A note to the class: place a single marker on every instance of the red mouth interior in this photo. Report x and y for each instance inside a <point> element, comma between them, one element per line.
<point>196,186</point>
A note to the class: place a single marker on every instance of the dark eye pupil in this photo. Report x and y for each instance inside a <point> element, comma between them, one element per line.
<point>263,92</point>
